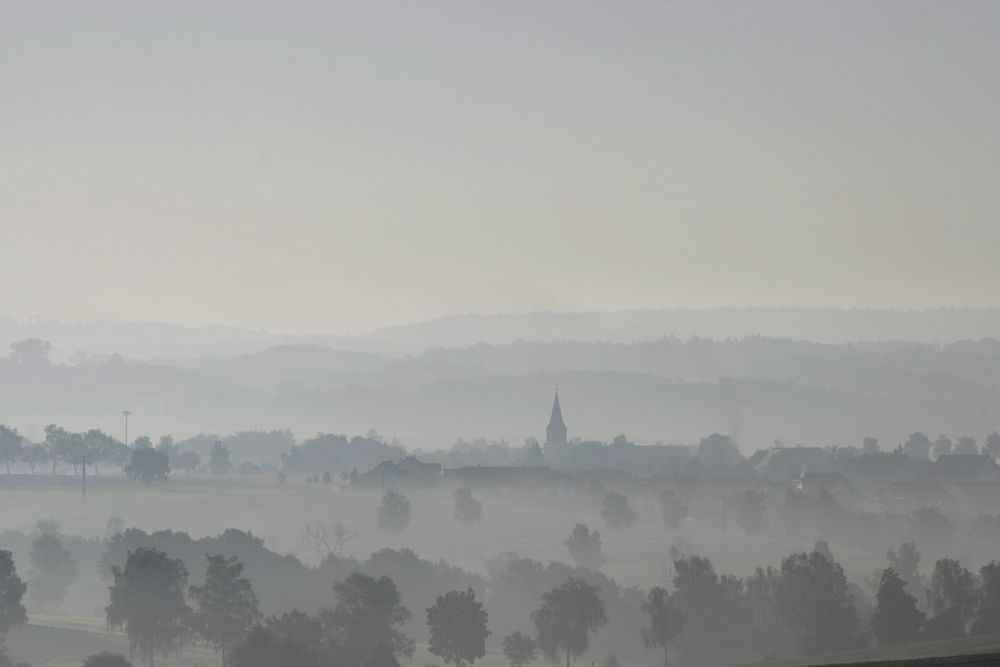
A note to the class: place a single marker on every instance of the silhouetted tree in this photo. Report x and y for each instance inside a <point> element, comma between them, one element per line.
<point>11,444</point>
<point>751,515</point>
<point>941,446</point>
<point>365,623</point>
<point>298,626</point>
<point>519,649</point>
<point>12,612</point>
<point>30,351</point>
<point>107,659</point>
<point>566,617</point>
<point>918,446</point>
<point>99,447</point>
<point>147,601</point>
<point>951,596</point>
<point>53,572</point>
<point>718,452</point>
<point>896,619</point>
<point>665,620</point>
<point>817,605</point>
<point>227,605</point>
<point>394,513</point>
<point>987,620</point>
<point>468,510</point>
<point>187,461</point>
<point>458,627</point>
<point>617,513</point>
<point>992,445</point>
<point>822,547</point>
<point>673,510</point>
<point>148,465</point>
<point>63,446</point>
<point>263,648</point>
<point>328,540</point>
<point>584,547</point>
<point>218,459</point>
<point>906,562</point>
<point>709,602</point>
<point>34,455</point>
<point>966,445</point>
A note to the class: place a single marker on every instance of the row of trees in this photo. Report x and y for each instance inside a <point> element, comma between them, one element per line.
<point>95,448</point>
<point>920,446</point>
<point>152,603</point>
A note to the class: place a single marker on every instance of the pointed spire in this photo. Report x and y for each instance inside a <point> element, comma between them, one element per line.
<point>555,432</point>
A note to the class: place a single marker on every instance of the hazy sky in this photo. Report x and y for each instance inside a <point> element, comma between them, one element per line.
<point>331,167</point>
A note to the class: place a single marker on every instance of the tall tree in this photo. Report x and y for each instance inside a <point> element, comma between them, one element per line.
<point>906,562</point>
<point>367,619</point>
<point>567,616</point>
<point>468,510</point>
<point>218,459</point>
<point>147,601</point>
<point>458,627</point>
<point>35,455</point>
<point>53,572</point>
<point>148,465</point>
<point>394,513</point>
<point>817,605</point>
<point>951,596</point>
<point>966,445</point>
<point>710,603</point>
<point>227,605</point>
<point>987,619</point>
<point>941,447</point>
<point>63,446</point>
<point>30,351</point>
<point>584,546</point>
<point>918,446</point>
<point>12,612</point>
<point>519,649</point>
<point>11,444</point>
<point>617,513</point>
<point>896,619</point>
<point>992,445</point>
<point>665,620</point>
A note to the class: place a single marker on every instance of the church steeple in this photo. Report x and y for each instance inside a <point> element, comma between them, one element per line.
<point>555,432</point>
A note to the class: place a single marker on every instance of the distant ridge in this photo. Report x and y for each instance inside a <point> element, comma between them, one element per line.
<point>146,340</point>
<point>830,325</point>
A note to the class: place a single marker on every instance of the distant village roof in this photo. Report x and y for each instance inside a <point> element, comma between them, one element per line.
<point>813,482</point>
<point>966,466</point>
<point>787,462</point>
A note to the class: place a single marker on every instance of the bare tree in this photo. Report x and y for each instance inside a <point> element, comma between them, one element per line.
<point>328,540</point>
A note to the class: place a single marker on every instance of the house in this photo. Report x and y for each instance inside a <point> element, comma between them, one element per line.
<point>833,482</point>
<point>784,463</point>
<point>409,470</point>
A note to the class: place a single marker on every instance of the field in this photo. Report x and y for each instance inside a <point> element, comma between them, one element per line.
<point>280,512</point>
<point>64,641</point>
<point>932,651</point>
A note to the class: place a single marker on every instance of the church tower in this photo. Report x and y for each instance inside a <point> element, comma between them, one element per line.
<point>555,432</point>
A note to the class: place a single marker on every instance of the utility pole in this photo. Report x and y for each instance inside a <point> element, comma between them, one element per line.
<point>83,467</point>
<point>126,413</point>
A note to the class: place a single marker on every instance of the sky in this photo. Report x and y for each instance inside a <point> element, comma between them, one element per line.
<point>331,167</point>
